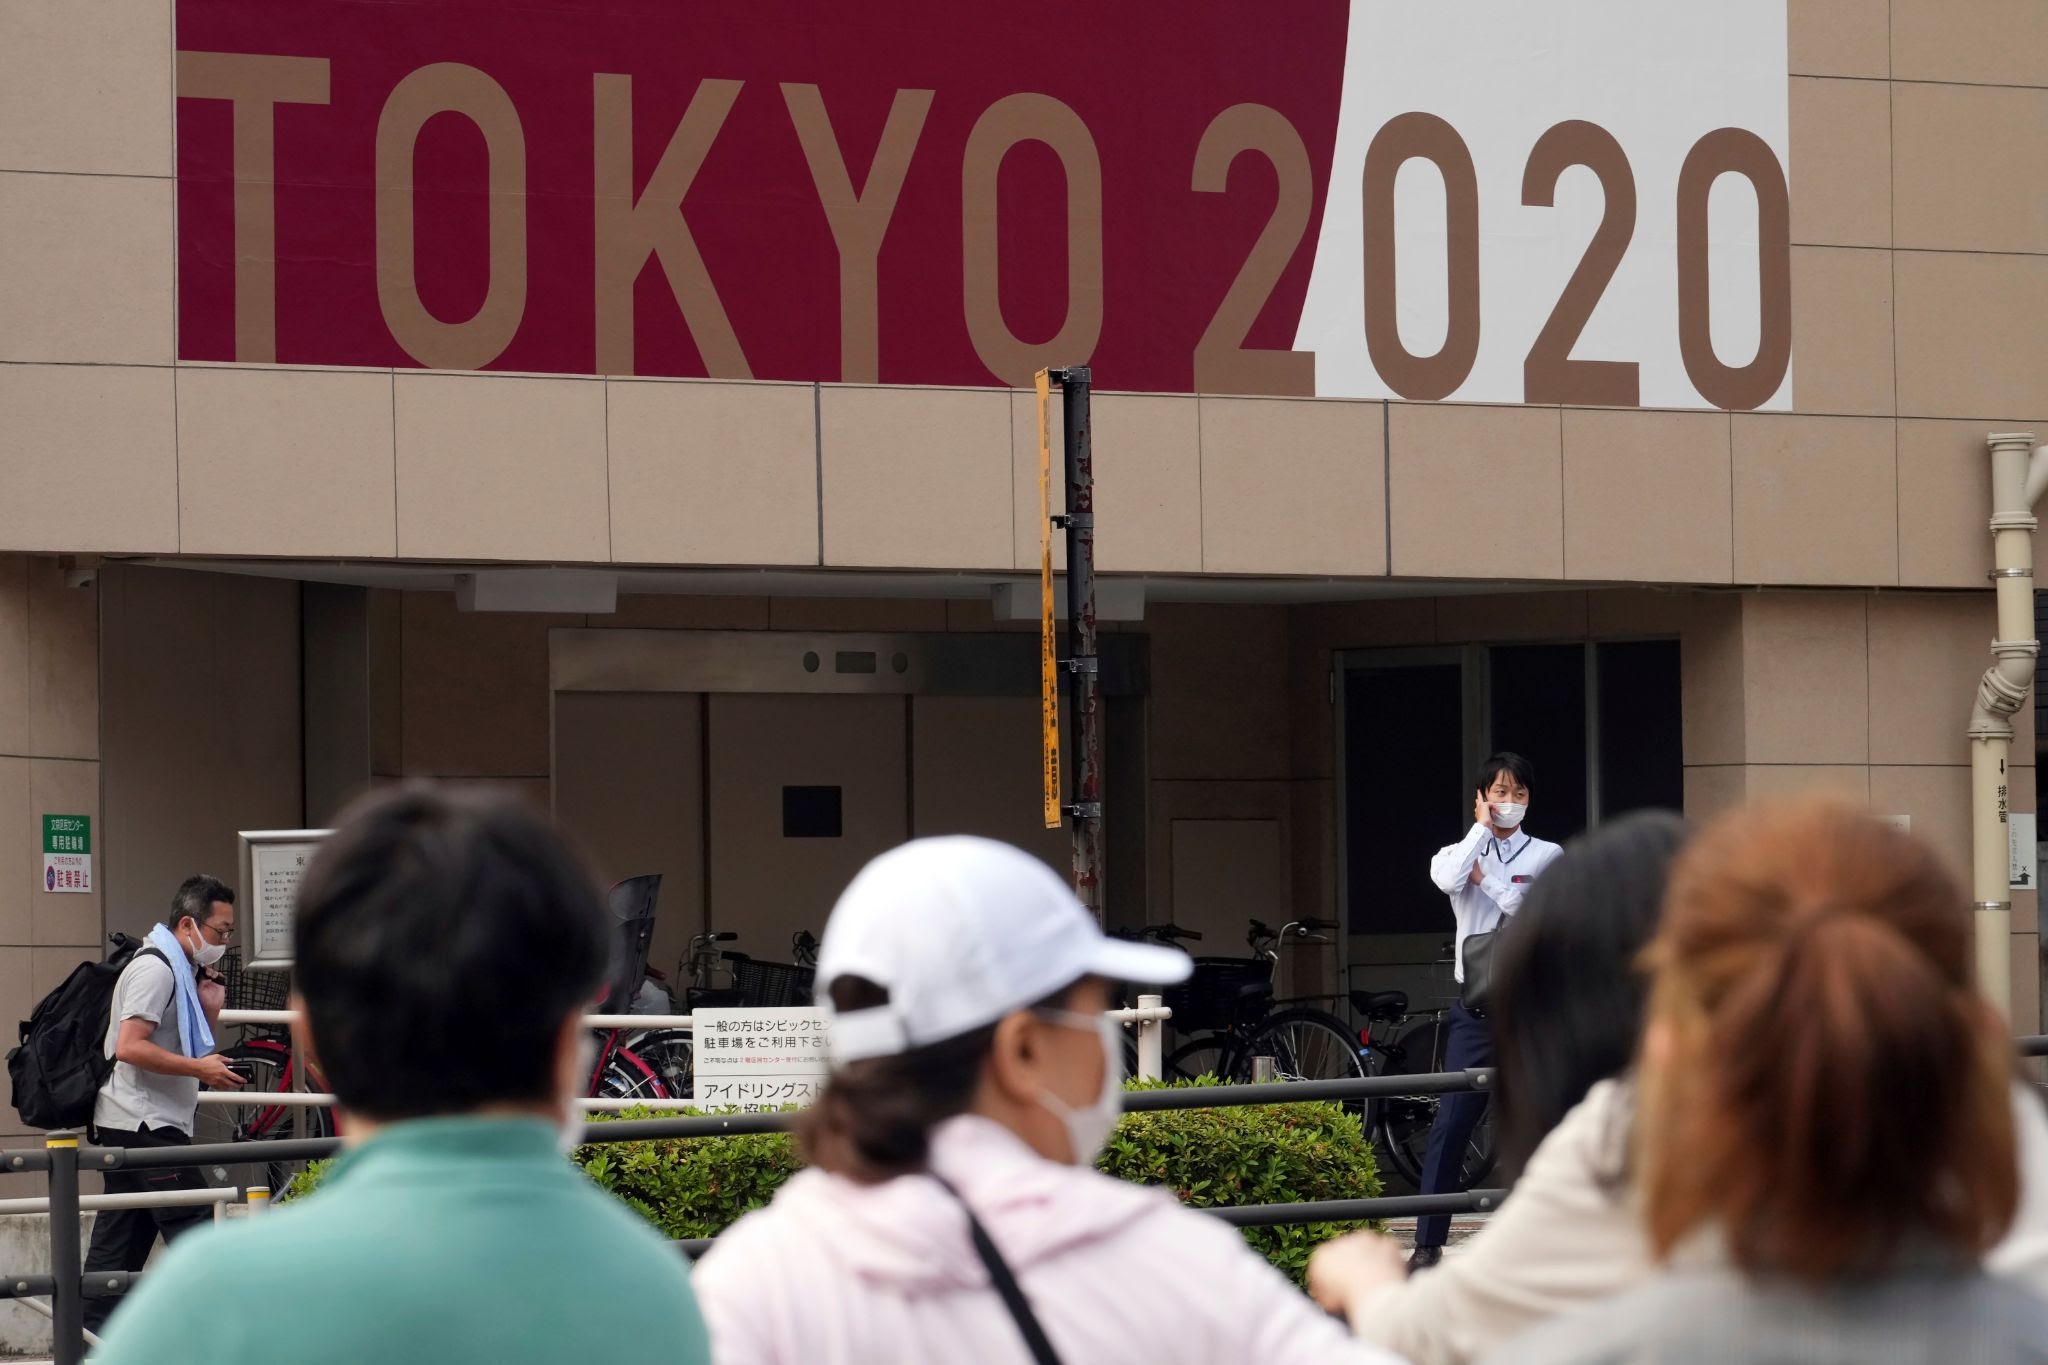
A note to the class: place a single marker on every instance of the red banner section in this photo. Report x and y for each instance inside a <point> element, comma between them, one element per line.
<point>910,192</point>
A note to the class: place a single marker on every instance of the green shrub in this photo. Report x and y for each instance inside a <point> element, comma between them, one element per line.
<point>305,1182</point>
<point>1252,1154</point>
<point>1270,1154</point>
<point>692,1187</point>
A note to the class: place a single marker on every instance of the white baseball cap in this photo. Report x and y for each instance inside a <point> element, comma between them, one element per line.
<point>961,932</point>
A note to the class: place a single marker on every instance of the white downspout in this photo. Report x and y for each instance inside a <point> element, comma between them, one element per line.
<point>2019,475</point>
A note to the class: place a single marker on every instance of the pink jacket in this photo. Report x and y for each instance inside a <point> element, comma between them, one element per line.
<point>835,1273</point>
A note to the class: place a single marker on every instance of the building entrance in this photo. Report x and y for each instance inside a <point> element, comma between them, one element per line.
<point>1601,722</point>
<point>684,755</point>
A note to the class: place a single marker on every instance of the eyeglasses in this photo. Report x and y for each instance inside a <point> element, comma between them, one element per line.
<point>218,932</point>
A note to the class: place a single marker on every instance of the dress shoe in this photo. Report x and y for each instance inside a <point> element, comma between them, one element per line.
<point>1422,1258</point>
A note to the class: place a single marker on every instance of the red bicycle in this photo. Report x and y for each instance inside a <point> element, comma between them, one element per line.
<point>265,1061</point>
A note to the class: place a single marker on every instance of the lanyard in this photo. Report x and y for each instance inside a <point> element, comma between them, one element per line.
<point>1516,854</point>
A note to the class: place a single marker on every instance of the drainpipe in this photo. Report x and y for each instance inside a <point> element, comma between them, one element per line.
<point>2019,475</point>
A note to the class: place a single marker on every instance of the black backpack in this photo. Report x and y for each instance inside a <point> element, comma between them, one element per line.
<point>62,1063</point>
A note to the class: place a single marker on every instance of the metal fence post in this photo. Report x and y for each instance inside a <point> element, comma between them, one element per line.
<point>67,1302</point>
<point>259,1200</point>
<point>1151,1040</point>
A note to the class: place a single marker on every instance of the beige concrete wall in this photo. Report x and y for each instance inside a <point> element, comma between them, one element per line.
<point>200,726</point>
<point>49,763</point>
<point>629,791</point>
<point>1862,695</point>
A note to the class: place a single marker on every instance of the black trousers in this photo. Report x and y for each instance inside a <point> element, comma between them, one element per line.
<point>122,1238</point>
<point>1469,1044</point>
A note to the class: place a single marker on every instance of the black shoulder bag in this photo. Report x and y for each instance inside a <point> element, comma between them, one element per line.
<point>1005,1284</point>
<point>1475,992</point>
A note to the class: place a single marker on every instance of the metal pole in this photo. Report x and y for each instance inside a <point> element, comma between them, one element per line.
<point>67,1303</point>
<point>1075,384</point>
<point>1151,1040</point>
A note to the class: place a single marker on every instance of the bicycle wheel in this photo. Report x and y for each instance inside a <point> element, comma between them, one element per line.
<point>628,1076</point>
<point>1406,1120</point>
<point>1407,1128</point>
<point>1309,1044</point>
<point>264,1062</point>
<point>1208,1054</point>
<point>667,1053</point>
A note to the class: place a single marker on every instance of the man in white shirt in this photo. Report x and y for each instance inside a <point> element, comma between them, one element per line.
<point>1485,874</point>
<point>152,1094</point>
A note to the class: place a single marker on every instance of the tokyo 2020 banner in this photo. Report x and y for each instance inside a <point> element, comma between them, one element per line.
<point>1516,201</point>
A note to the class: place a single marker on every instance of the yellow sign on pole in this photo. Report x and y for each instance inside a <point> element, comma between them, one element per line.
<point>1048,661</point>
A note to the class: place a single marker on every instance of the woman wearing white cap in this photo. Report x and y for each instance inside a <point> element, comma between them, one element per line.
<point>951,1211</point>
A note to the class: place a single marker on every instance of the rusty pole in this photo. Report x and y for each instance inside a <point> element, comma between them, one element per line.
<point>1086,708</point>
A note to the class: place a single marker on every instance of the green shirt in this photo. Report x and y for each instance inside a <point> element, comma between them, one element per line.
<point>446,1239</point>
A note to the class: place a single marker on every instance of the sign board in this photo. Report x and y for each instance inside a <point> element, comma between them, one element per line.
<point>1048,659</point>
<point>273,861</point>
<point>758,1060</point>
<point>67,853</point>
<point>2023,853</point>
<point>1498,201</point>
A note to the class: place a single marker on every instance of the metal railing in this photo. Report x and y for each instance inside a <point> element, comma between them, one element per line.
<point>1148,1020</point>
<point>63,1158</point>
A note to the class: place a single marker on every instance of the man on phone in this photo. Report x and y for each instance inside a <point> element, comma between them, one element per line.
<point>1485,874</point>
<point>160,1035</point>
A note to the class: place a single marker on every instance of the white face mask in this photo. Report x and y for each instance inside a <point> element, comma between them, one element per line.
<point>204,953</point>
<point>1507,814</point>
<point>1088,1128</point>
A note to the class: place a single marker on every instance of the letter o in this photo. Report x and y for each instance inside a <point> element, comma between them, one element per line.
<point>1004,124</point>
<point>450,87</point>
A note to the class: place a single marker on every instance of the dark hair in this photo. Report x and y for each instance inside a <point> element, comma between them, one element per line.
<point>441,940</point>
<point>1568,997</point>
<point>195,897</point>
<point>1827,1086</point>
<point>1514,765</point>
<point>874,1119</point>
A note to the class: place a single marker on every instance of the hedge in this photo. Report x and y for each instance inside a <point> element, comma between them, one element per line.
<point>1211,1158</point>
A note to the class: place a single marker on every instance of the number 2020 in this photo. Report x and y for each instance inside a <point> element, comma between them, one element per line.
<point>1549,373</point>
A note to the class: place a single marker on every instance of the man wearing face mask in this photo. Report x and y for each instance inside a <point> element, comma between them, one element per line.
<point>1486,874</point>
<point>950,1210</point>
<point>160,1036</point>
<point>450,1228</point>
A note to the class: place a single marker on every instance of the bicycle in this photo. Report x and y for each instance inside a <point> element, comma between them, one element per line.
<point>265,1060</point>
<point>636,1064</point>
<point>659,1063</point>
<point>1228,1005</point>
<point>1401,1042</point>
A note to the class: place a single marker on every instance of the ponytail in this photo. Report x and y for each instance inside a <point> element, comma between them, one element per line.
<point>874,1119</point>
<point>1822,1084</point>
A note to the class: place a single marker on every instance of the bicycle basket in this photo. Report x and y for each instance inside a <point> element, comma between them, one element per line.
<point>770,985</point>
<point>1214,997</point>
<point>253,990</point>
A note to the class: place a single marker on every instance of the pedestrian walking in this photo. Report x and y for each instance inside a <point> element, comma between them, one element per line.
<point>160,1037</point>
